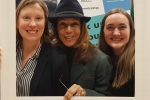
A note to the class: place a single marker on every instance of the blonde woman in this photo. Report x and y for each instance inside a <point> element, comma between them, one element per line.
<point>39,66</point>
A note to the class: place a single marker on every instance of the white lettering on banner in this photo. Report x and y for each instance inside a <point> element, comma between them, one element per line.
<point>86,0</point>
<point>114,0</point>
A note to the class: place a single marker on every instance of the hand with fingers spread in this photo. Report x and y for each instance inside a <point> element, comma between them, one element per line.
<point>74,90</point>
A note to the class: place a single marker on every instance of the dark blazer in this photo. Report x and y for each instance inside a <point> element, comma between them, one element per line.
<point>95,76</point>
<point>50,66</point>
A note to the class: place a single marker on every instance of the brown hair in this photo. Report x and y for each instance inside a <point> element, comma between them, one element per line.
<point>84,47</point>
<point>24,3</point>
<point>126,63</point>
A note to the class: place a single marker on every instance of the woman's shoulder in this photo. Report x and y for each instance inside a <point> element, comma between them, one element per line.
<point>100,58</point>
<point>100,54</point>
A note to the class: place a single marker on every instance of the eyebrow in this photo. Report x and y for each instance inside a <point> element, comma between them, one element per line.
<point>122,24</point>
<point>119,24</point>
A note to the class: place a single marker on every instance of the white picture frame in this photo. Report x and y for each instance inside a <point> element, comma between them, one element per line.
<point>142,54</point>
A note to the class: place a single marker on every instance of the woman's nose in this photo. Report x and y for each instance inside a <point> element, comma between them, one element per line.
<point>69,29</point>
<point>32,23</point>
<point>116,31</point>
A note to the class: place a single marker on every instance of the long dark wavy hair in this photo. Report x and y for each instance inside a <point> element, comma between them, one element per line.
<point>84,48</point>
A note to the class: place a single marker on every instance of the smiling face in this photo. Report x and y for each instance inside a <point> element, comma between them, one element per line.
<point>117,31</point>
<point>31,23</point>
<point>69,30</point>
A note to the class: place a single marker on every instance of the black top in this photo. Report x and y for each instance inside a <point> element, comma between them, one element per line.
<point>127,90</point>
<point>51,65</point>
<point>70,52</point>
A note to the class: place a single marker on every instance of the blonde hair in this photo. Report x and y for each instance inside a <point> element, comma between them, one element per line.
<point>125,69</point>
